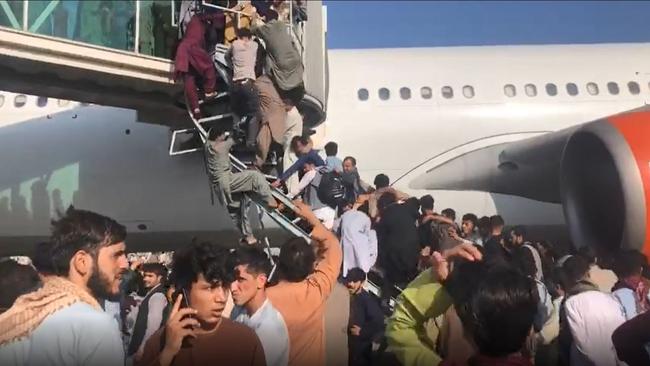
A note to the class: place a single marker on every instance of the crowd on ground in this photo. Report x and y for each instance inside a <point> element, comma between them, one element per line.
<point>474,292</point>
<point>451,292</point>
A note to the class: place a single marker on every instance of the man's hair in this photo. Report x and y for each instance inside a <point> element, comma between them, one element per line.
<point>244,33</point>
<point>484,222</point>
<point>524,261</point>
<point>519,230</point>
<point>497,306</point>
<point>42,258</point>
<point>427,202</point>
<point>331,148</point>
<point>450,213</point>
<point>255,260</point>
<point>303,140</point>
<point>81,230</point>
<point>386,199</point>
<point>472,218</point>
<point>628,263</point>
<point>381,181</point>
<point>574,268</point>
<point>296,261</point>
<point>201,258</point>
<point>156,268</point>
<point>271,15</point>
<point>355,274</point>
<point>352,159</point>
<point>15,280</point>
<point>496,220</point>
<point>215,132</point>
<point>588,253</point>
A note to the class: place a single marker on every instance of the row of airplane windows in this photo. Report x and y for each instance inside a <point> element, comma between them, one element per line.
<point>20,100</point>
<point>509,90</point>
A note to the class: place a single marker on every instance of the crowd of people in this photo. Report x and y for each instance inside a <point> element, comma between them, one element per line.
<point>474,292</point>
<point>452,290</point>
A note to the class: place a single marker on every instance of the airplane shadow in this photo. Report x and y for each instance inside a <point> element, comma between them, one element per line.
<point>101,159</point>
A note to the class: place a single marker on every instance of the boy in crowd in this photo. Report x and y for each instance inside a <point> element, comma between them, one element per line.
<point>251,270</point>
<point>332,161</point>
<point>366,319</point>
<point>196,332</point>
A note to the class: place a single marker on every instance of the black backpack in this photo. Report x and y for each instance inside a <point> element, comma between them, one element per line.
<point>331,190</point>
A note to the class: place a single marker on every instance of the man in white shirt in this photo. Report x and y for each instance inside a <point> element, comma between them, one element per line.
<point>358,239</point>
<point>253,309</point>
<point>63,323</point>
<point>294,128</point>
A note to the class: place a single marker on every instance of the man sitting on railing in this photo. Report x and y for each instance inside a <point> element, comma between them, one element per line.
<point>226,183</point>
<point>193,60</point>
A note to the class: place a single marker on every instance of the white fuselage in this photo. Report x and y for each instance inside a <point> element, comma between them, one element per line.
<point>55,155</point>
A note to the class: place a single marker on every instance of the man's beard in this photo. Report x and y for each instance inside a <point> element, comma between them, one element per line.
<point>100,286</point>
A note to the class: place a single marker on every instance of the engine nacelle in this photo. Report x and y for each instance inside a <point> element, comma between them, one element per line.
<point>598,171</point>
<point>605,182</point>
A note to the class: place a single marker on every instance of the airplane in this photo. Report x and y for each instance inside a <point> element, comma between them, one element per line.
<point>435,120</point>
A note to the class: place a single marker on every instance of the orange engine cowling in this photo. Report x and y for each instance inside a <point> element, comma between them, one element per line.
<point>605,182</point>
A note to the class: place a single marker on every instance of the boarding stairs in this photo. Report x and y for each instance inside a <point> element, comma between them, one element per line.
<point>217,113</point>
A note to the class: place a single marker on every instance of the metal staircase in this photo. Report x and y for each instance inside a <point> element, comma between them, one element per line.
<point>217,111</point>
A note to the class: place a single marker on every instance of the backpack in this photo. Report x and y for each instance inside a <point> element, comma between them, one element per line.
<point>331,190</point>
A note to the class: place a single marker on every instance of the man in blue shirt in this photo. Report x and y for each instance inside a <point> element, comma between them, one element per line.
<point>332,161</point>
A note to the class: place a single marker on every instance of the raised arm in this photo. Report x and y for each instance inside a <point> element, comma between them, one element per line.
<point>322,281</point>
<point>311,156</point>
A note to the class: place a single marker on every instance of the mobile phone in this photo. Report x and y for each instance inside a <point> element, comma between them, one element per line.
<point>187,341</point>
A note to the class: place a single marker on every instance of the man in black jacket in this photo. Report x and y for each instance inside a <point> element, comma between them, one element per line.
<point>366,319</point>
<point>150,310</point>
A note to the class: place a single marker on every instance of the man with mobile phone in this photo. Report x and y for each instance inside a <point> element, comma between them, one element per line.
<point>202,277</point>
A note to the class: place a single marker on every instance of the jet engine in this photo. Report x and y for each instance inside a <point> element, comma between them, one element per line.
<point>599,171</point>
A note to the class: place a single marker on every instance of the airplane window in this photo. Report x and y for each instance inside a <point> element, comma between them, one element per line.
<point>612,87</point>
<point>531,90</point>
<point>63,102</point>
<point>592,88</point>
<point>426,92</point>
<point>551,89</point>
<point>572,89</point>
<point>405,93</point>
<point>468,91</point>
<point>633,87</point>
<point>2,100</point>
<point>384,94</point>
<point>509,90</point>
<point>447,92</point>
<point>362,94</point>
<point>20,100</point>
<point>41,101</point>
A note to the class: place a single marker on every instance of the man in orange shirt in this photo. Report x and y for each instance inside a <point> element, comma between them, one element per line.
<point>303,289</point>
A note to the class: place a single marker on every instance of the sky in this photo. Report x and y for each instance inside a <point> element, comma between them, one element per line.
<point>399,23</point>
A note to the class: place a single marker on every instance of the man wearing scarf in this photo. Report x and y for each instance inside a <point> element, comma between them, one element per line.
<point>62,323</point>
